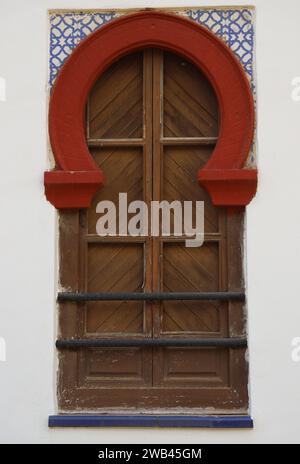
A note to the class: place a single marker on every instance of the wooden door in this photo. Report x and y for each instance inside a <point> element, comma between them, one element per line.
<point>152,122</point>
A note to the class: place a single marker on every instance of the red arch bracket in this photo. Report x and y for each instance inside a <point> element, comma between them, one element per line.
<point>77,178</point>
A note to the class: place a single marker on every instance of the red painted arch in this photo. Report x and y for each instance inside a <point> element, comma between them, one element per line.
<point>76,178</point>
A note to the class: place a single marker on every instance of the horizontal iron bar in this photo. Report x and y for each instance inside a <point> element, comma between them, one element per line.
<point>125,296</point>
<point>88,342</point>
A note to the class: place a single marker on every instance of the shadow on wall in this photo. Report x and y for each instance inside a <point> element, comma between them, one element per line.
<point>2,89</point>
<point>2,349</point>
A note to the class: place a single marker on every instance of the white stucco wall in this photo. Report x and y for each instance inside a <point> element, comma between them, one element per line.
<point>28,234</point>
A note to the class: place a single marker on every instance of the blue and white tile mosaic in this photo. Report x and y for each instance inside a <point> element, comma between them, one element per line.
<point>66,31</point>
<point>233,25</point>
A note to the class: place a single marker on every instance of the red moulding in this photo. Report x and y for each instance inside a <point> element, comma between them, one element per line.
<point>72,189</point>
<point>77,177</point>
<point>229,187</point>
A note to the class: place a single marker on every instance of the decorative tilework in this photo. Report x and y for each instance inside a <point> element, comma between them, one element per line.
<point>233,25</point>
<point>66,31</point>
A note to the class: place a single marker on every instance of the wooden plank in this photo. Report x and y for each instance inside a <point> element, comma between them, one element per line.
<point>220,400</point>
<point>115,142</point>
<point>237,315</point>
<point>147,185</point>
<point>187,141</point>
<point>69,314</point>
<point>208,237</point>
<point>157,176</point>
<point>93,238</point>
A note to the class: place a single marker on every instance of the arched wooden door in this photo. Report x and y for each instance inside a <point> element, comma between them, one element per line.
<point>152,123</point>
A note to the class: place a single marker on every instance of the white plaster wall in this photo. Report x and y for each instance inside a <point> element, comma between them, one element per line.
<point>28,237</point>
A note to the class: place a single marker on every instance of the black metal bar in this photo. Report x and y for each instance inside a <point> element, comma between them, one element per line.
<point>79,343</point>
<point>127,296</point>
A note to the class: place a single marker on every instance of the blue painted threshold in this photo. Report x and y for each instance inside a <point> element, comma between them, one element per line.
<point>88,420</point>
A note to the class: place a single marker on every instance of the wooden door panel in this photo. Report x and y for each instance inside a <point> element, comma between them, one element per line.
<point>192,270</point>
<point>123,169</point>
<point>190,107</point>
<point>115,267</point>
<point>115,107</point>
<point>180,167</point>
<point>115,367</point>
<point>187,318</point>
<point>200,367</point>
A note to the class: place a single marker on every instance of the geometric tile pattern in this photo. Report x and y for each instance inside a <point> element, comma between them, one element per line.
<point>66,31</point>
<point>235,27</point>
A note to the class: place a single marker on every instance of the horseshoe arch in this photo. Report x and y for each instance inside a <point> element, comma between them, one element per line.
<point>76,178</point>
